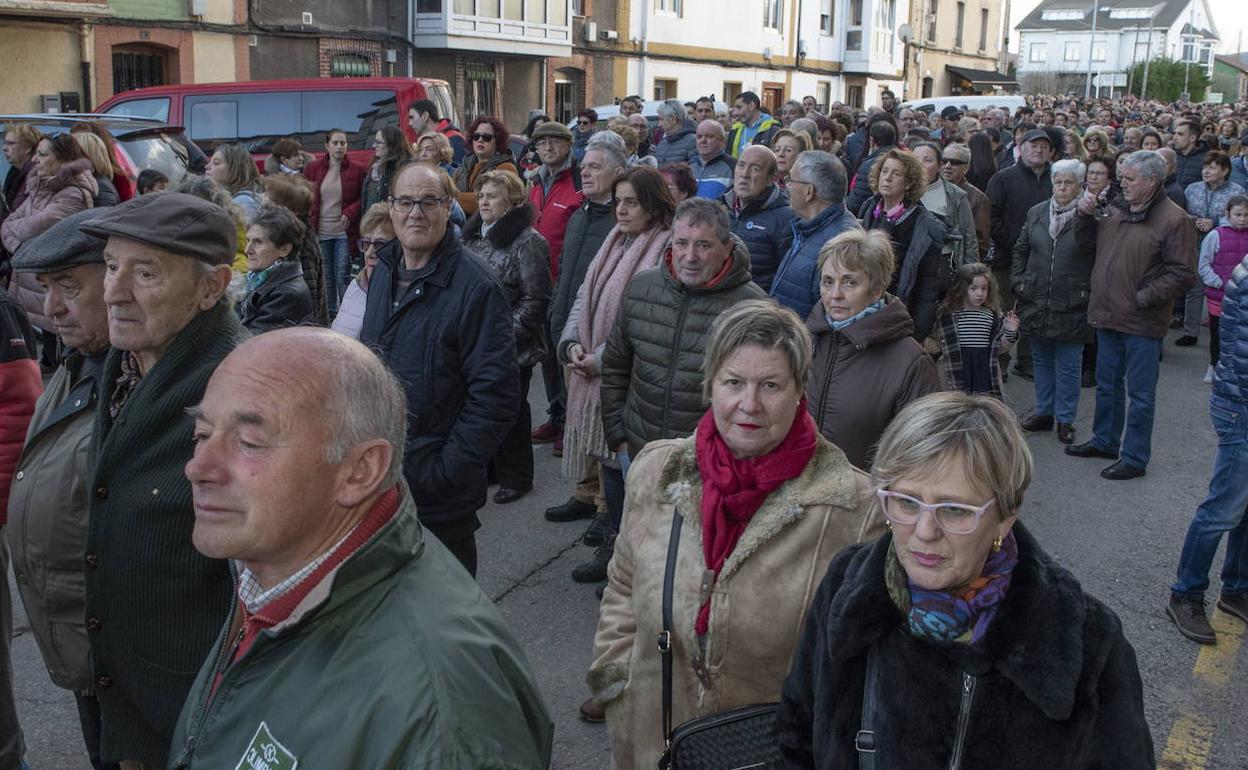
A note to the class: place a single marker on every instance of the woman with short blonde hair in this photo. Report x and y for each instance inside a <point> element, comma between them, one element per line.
<point>102,168</point>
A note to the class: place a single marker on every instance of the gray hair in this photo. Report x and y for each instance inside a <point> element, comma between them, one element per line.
<point>202,187</point>
<point>810,127</point>
<point>280,226</point>
<point>703,211</point>
<point>612,146</point>
<point>961,150</point>
<point>1148,163</point>
<point>764,324</point>
<point>367,402</point>
<point>672,108</point>
<point>719,127</point>
<point>1072,166</point>
<point>825,173</point>
<point>980,430</point>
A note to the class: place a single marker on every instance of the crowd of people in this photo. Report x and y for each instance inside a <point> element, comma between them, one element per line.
<point>248,419</point>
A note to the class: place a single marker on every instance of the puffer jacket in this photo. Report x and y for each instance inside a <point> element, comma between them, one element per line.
<point>321,687</point>
<point>680,146</point>
<point>652,363</point>
<point>796,285</point>
<point>862,375</point>
<point>714,177</point>
<point>1144,260</point>
<point>586,231</point>
<point>47,530</point>
<point>520,259</point>
<point>1187,167</point>
<point>282,300</point>
<point>757,604</point>
<point>764,224</point>
<point>1054,672</point>
<point>1230,375</point>
<point>1052,279</point>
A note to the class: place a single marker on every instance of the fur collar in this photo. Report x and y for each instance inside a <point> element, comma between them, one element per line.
<point>827,480</point>
<point>506,230</point>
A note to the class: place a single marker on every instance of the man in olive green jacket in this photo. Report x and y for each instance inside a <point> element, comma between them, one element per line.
<point>357,640</point>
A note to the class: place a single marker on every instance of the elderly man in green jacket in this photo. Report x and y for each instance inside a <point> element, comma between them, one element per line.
<point>356,640</point>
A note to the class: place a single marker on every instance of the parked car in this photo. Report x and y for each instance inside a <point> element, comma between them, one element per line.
<point>142,143</point>
<point>259,112</point>
<point>935,104</point>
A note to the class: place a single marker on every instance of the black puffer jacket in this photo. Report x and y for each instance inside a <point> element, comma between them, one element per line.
<point>652,363</point>
<point>1053,279</point>
<point>1054,685</point>
<point>587,229</point>
<point>1012,193</point>
<point>520,259</point>
<point>1187,167</point>
<point>765,225</point>
<point>282,300</point>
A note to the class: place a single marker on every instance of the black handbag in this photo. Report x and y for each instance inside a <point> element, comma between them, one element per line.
<point>740,739</point>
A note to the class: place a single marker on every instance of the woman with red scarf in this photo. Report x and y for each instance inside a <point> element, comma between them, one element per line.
<point>765,503</point>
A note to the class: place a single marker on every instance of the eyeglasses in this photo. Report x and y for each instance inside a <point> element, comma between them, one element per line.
<point>953,518</point>
<point>372,243</point>
<point>793,181</point>
<point>582,122</point>
<point>405,205</point>
<point>953,162</point>
<point>482,137</point>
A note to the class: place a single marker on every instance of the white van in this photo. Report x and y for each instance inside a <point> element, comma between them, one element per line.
<point>934,105</point>
<point>649,109</point>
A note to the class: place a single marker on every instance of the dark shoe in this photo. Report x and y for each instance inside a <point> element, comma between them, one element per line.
<point>599,590</point>
<point>593,712</point>
<point>1186,341</point>
<point>1121,471</point>
<point>1236,605</point>
<point>545,433</point>
<point>596,534</point>
<point>557,448</point>
<point>1038,423</point>
<point>1089,449</point>
<point>1176,322</point>
<point>1189,615</point>
<point>1026,374</point>
<point>1065,433</point>
<point>506,495</point>
<point>595,570</point>
<point>1087,379</point>
<point>572,510</point>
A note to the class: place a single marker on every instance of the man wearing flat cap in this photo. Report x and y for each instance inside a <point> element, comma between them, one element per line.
<point>154,604</point>
<point>48,501</point>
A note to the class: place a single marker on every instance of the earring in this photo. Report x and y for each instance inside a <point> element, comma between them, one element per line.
<point>996,545</point>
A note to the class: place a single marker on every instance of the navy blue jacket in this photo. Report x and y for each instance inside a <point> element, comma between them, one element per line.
<point>861,189</point>
<point>796,284</point>
<point>764,226</point>
<point>1230,376</point>
<point>448,338</point>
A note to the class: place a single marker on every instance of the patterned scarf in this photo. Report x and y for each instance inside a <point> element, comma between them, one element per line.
<point>961,615</point>
<point>871,309</point>
<point>1060,215</point>
<point>733,490</point>
<point>127,381</point>
<point>255,278</point>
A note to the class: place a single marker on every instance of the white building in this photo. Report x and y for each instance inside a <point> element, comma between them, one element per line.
<point>1057,39</point>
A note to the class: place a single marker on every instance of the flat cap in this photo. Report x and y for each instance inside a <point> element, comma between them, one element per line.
<point>61,246</point>
<point>1037,135</point>
<point>951,113</point>
<point>175,222</point>
<point>552,128</point>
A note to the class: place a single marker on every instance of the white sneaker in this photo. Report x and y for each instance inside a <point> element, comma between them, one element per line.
<point>1209,375</point>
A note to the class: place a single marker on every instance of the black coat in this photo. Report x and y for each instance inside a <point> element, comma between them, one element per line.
<point>1056,683</point>
<point>448,338</point>
<point>1052,279</point>
<point>587,229</point>
<point>282,300</point>
<point>922,272</point>
<point>1012,193</point>
<point>1187,167</point>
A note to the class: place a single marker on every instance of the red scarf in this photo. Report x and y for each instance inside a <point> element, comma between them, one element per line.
<point>732,489</point>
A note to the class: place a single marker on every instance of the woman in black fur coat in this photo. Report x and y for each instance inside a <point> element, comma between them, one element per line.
<point>970,646</point>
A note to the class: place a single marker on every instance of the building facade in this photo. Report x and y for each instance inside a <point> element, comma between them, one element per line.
<point>955,48</point>
<point>1058,45</point>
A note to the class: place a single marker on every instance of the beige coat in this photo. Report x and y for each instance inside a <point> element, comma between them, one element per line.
<point>757,605</point>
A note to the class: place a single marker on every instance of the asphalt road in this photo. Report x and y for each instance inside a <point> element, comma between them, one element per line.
<point>1121,539</point>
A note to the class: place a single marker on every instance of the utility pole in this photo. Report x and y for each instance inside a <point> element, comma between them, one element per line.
<point>1135,42</point>
<point>1087,85</point>
<point>1148,57</point>
<point>1187,64</point>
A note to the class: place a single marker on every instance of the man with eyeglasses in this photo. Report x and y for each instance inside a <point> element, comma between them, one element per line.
<point>954,163</point>
<point>438,318</point>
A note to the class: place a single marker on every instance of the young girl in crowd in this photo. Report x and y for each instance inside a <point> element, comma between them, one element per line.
<point>972,332</point>
<point>1220,252</point>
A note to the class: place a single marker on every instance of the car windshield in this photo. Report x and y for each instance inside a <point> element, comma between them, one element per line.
<point>167,153</point>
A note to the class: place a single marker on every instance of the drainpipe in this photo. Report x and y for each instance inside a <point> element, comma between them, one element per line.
<point>411,34</point>
<point>84,54</point>
<point>645,48</point>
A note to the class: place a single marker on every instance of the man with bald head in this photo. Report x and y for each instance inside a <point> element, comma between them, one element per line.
<point>297,478</point>
<point>760,212</point>
<point>436,315</point>
<point>713,167</point>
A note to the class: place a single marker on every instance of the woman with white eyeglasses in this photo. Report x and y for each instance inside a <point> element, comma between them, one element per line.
<point>955,640</point>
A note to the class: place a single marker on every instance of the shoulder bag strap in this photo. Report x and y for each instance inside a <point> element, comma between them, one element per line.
<point>665,636</point>
<point>865,741</point>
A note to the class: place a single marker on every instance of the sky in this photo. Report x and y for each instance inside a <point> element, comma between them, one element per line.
<point>1230,23</point>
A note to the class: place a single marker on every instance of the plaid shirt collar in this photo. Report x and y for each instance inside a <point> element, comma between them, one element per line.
<point>255,597</point>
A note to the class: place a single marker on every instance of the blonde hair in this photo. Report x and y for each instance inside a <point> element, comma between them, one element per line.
<point>513,188</point>
<point>980,430</point>
<point>630,136</point>
<point>863,251</point>
<point>377,216</point>
<point>445,153</point>
<point>801,137</point>
<point>764,324</point>
<point>97,152</point>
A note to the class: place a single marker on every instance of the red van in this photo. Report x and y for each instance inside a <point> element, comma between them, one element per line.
<point>259,112</point>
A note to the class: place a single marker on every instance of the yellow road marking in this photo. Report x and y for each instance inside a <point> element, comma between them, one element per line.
<point>1191,738</point>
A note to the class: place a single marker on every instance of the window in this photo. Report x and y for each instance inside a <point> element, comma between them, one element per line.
<point>825,17</point>
<point>513,10</point>
<point>664,89</point>
<point>564,104</point>
<point>855,13</point>
<point>731,92</point>
<point>853,36</point>
<point>578,7</point>
<point>137,69</point>
<point>1205,53</point>
<point>823,95</point>
<point>212,120</point>
<point>1189,50</point>
<point>489,8</point>
<point>359,113</point>
<point>466,7</point>
<point>428,6</point>
<point>157,109</point>
<point>931,23</point>
<point>479,89</point>
<point>1071,52</point>
<point>957,35</point>
<point>1063,14</point>
<point>557,13</point>
<point>883,28</point>
<point>1098,53</point>
<point>983,29</point>
<point>773,13</point>
<point>1129,13</point>
<point>670,7</point>
<point>855,97</point>
<point>1036,53</point>
<point>350,65</point>
<point>536,13</point>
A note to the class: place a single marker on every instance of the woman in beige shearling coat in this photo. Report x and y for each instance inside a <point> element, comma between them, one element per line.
<point>759,355</point>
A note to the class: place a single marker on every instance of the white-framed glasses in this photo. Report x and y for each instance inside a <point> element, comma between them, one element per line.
<point>953,518</point>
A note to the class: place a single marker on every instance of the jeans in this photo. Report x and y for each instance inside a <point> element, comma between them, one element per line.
<point>1126,365</point>
<point>1057,366</point>
<point>337,267</point>
<point>1224,510</point>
